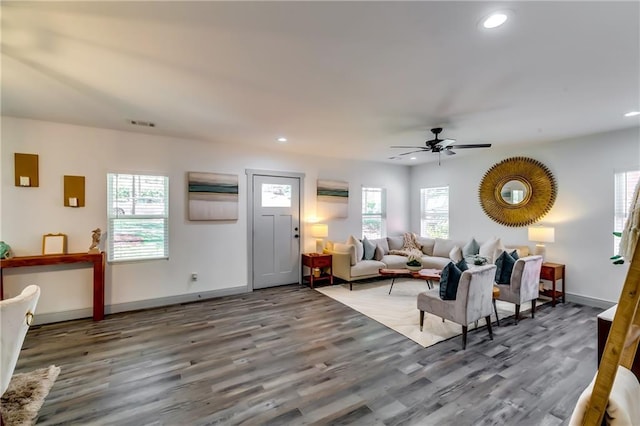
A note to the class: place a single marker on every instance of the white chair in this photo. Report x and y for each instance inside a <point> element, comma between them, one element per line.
<point>473,301</point>
<point>524,284</point>
<point>16,316</point>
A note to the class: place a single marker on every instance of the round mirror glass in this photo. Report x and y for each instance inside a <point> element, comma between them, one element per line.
<point>514,192</point>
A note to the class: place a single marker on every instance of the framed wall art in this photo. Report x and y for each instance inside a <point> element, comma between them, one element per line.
<point>212,196</point>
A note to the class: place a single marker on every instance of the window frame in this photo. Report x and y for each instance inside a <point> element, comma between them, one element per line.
<point>621,207</point>
<point>382,214</point>
<point>114,215</point>
<point>424,215</point>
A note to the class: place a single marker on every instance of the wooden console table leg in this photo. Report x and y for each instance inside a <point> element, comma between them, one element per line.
<point>98,288</point>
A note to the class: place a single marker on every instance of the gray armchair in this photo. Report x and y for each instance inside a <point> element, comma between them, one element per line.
<point>473,300</point>
<point>524,285</point>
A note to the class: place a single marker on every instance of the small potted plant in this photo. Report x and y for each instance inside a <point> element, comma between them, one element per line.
<point>479,260</point>
<point>413,263</point>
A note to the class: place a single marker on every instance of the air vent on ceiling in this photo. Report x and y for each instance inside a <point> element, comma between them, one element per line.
<point>142,123</point>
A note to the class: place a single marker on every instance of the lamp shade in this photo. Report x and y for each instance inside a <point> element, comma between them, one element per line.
<point>319,230</point>
<point>542,234</point>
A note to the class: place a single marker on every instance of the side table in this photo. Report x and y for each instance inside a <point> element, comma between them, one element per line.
<point>324,262</point>
<point>553,272</point>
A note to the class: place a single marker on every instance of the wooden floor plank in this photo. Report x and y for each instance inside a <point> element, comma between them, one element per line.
<point>290,355</point>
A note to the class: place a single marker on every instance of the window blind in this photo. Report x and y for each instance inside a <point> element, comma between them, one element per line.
<point>138,217</point>
<point>373,213</point>
<point>625,184</point>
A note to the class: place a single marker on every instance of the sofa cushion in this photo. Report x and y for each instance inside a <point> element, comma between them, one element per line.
<point>523,251</point>
<point>504,267</point>
<point>395,243</point>
<point>346,248</point>
<point>471,248</point>
<point>443,247</point>
<point>432,262</point>
<point>383,243</point>
<point>366,267</point>
<point>359,247</point>
<point>449,279</point>
<point>427,245</point>
<point>488,249</point>
<point>369,249</point>
<point>395,261</point>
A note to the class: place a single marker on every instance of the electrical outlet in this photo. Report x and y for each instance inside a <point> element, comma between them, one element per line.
<point>194,276</point>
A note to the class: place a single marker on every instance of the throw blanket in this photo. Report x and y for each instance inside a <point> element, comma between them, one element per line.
<point>624,401</point>
<point>410,246</point>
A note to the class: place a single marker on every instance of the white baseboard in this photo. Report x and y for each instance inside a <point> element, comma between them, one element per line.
<point>134,306</point>
<point>589,301</point>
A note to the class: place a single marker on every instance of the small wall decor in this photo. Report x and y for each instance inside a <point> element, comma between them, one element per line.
<point>26,170</point>
<point>517,191</point>
<point>333,199</point>
<point>95,240</point>
<point>54,244</point>
<point>213,196</point>
<point>74,191</point>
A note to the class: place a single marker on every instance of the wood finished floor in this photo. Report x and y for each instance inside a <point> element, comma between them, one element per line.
<point>290,355</point>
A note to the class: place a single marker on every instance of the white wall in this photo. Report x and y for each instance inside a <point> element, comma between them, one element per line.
<point>217,251</point>
<point>582,214</point>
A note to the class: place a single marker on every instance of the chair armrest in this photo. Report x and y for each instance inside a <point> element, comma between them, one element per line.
<point>341,264</point>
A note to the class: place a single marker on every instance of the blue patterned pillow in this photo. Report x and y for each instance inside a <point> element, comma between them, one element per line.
<point>504,267</point>
<point>449,279</point>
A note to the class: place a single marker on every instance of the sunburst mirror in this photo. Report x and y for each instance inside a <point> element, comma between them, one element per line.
<point>517,191</point>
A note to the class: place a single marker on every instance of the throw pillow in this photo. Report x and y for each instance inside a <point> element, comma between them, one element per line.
<point>471,248</point>
<point>456,254</point>
<point>359,247</point>
<point>504,267</point>
<point>488,249</point>
<point>383,244</point>
<point>379,253</point>
<point>369,249</point>
<point>449,280</point>
<point>462,265</point>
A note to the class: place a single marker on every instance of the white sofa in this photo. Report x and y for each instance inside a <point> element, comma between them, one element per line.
<point>349,264</point>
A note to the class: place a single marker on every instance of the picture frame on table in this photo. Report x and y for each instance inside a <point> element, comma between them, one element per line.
<point>54,244</point>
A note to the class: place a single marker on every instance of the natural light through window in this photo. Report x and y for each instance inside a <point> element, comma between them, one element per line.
<point>625,184</point>
<point>138,217</point>
<point>374,213</point>
<point>434,212</point>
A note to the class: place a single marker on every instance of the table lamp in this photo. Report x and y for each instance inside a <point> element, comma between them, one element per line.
<point>320,231</point>
<point>541,235</point>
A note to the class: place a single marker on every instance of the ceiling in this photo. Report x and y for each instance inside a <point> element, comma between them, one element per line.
<point>340,79</point>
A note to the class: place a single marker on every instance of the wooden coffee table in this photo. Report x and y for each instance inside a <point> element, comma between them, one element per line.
<point>427,275</point>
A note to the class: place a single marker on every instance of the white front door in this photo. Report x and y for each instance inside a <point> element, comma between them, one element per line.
<point>276,230</point>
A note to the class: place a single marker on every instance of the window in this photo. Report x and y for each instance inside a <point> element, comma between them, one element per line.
<point>138,217</point>
<point>374,213</point>
<point>625,184</point>
<point>434,212</point>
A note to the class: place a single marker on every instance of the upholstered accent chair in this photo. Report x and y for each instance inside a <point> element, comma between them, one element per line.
<point>473,300</point>
<point>16,314</point>
<point>524,285</point>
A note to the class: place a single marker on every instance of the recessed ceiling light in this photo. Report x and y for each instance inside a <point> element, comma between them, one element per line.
<point>632,114</point>
<point>412,158</point>
<point>281,140</point>
<point>495,20</point>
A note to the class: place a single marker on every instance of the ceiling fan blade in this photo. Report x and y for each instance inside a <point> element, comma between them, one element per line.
<point>479,145</point>
<point>448,151</point>
<point>447,142</point>
<point>408,147</point>
<point>412,152</point>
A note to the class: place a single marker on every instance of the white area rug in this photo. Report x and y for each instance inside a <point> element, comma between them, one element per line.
<point>399,310</point>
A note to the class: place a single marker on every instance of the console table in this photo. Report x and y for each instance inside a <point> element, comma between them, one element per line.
<point>97,259</point>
